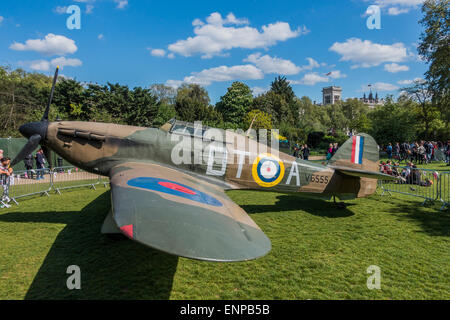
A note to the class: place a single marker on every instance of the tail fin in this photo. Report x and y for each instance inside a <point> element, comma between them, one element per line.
<point>358,156</point>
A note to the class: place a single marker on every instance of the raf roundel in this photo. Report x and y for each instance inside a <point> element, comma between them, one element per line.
<point>267,170</point>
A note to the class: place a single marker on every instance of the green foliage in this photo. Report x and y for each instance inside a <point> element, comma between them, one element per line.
<point>192,104</point>
<point>258,119</point>
<point>165,113</point>
<point>393,123</point>
<point>235,104</point>
<point>434,47</point>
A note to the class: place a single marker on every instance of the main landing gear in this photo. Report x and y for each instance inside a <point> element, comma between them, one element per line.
<point>339,205</point>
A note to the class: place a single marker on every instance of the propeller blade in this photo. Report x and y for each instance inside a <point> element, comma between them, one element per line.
<point>31,145</point>
<point>48,156</point>
<point>45,116</point>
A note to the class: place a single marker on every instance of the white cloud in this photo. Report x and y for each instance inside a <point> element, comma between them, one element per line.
<point>380,86</point>
<point>171,55</point>
<point>368,54</point>
<point>89,9</point>
<point>1,19</point>
<point>394,68</point>
<point>220,74</point>
<point>60,9</point>
<point>214,37</point>
<point>258,90</point>
<point>408,82</point>
<point>65,62</point>
<point>100,36</point>
<point>44,65</point>
<point>158,52</point>
<point>405,82</point>
<point>310,79</point>
<point>270,64</point>
<point>311,64</point>
<point>174,83</point>
<point>121,4</point>
<point>336,74</point>
<point>394,11</point>
<point>396,7</point>
<point>37,65</point>
<point>51,45</point>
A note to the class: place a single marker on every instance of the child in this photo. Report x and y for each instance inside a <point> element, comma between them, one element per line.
<point>5,173</point>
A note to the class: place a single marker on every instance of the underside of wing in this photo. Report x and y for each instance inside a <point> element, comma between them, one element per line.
<point>177,213</point>
<point>363,173</point>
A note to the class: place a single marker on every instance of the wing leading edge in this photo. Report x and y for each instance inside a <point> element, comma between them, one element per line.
<point>182,215</point>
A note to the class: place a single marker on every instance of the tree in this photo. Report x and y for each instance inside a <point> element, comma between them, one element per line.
<point>355,112</point>
<point>258,120</point>
<point>235,104</point>
<point>423,109</point>
<point>392,122</point>
<point>435,49</point>
<point>275,105</point>
<point>164,114</point>
<point>282,87</point>
<point>164,94</point>
<point>192,104</point>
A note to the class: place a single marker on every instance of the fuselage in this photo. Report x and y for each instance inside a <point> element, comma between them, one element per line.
<point>227,157</point>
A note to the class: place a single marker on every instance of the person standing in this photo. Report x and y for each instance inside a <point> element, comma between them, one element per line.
<point>397,151</point>
<point>28,161</point>
<point>40,165</point>
<point>5,173</point>
<point>306,152</point>
<point>389,151</point>
<point>335,148</point>
<point>330,152</point>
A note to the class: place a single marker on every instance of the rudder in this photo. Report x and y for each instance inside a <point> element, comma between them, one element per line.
<point>359,152</point>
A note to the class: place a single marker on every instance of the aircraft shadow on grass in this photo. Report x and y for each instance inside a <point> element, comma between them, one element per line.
<point>433,224</point>
<point>110,268</point>
<point>293,202</point>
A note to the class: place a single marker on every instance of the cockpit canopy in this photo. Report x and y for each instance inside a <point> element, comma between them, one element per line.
<point>185,128</point>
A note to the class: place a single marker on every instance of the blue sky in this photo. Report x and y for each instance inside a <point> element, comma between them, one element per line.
<point>213,43</point>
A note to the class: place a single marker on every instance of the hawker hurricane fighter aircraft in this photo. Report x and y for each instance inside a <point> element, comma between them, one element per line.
<point>168,184</point>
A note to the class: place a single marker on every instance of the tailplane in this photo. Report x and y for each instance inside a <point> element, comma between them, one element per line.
<point>359,157</point>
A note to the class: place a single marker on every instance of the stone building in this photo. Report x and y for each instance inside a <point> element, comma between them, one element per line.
<point>331,95</point>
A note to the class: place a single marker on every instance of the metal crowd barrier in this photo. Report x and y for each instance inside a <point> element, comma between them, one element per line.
<point>42,181</point>
<point>444,189</point>
<point>430,185</point>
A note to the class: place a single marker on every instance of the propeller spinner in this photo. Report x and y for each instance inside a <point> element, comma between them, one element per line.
<point>36,132</point>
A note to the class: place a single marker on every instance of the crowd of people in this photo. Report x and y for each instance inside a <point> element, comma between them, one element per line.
<point>408,174</point>
<point>422,152</point>
<point>302,152</point>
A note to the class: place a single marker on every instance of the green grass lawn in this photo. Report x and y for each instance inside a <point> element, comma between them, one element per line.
<point>319,252</point>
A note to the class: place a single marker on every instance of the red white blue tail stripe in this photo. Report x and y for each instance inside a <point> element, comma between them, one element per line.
<point>357,149</point>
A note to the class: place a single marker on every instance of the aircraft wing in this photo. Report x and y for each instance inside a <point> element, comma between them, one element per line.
<point>363,173</point>
<point>183,215</point>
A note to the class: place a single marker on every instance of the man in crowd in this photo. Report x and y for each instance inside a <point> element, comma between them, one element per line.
<point>40,164</point>
<point>389,151</point>
<point>28,161</point>
<point>5,177</point>
<point>306,152</point>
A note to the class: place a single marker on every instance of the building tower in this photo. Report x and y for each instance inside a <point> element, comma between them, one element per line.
<point>331,95</point>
